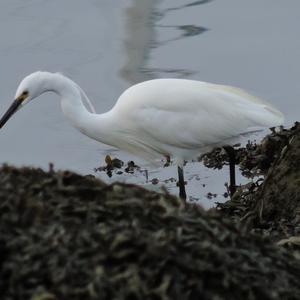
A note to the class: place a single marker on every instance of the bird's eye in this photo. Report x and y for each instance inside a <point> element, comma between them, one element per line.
<point>23,96</point>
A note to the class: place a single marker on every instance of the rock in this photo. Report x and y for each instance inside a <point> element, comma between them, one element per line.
<point>279,195</point>
<point>65,236</point>
<point>271,206</point>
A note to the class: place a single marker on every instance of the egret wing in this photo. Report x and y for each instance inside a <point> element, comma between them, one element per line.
<point>190,114</point>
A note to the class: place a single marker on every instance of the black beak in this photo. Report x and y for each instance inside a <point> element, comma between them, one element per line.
<point>12,109</point>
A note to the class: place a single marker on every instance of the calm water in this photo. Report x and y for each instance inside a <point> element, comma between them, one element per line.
<point>106,46</point>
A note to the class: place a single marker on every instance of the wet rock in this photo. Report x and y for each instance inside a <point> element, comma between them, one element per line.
<point>131,167</point>
<point>271,205</point>
<point>279,195</point>
<point>111,165</point>
<point>255,158</point>
<point>117,166</point>
<point>215,159</point>
<point>155,181</point>
<point>65,236</point>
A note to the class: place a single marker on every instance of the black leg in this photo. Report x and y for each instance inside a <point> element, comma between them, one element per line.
<point>231,155</point>
<point>181,184</point>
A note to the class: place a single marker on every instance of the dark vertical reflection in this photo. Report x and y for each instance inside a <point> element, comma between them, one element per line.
<point>195,3</point>
<point>139,39</point>
<point>142,19</point>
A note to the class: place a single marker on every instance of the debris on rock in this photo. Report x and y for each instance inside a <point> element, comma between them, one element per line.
<point>215,159</point>
<point>131,167</point>
<point>155,181</point>
<point>256,159</point>
<point>271,204</point>
<point>111,164</point>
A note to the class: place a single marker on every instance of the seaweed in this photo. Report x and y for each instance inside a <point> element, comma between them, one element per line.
<point>65,236</point>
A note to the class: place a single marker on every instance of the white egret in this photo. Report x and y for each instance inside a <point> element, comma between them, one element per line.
<point>162,117</point>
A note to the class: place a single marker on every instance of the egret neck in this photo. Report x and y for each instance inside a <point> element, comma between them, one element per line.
<point>96,126</point>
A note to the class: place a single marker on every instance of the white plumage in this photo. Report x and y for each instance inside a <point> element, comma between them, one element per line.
<point>181,118</point>
<point>175,117</point>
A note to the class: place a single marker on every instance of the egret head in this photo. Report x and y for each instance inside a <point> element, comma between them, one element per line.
<point>30,87</point>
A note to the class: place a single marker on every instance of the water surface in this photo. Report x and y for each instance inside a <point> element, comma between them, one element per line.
<point>106,46</point>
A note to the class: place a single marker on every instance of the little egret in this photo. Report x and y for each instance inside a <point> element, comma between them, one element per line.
<point>176,118</point>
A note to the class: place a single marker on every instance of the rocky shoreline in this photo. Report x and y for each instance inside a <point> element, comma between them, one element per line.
<point>271,206</point>
<point>65,236</point>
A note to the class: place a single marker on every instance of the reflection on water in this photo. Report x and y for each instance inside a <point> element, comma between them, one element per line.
<point>161,13</point>
<point>191,30</point>
<point>139,37</point>
<point>152,73</point>
<point>186,31</point>
<point>141,23</point>
<point>189,5</point>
